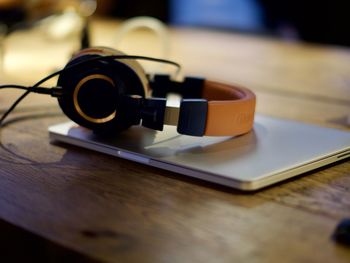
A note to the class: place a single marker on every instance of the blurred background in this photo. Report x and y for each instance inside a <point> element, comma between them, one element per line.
<point>325,21</point>
<point>38,37</point>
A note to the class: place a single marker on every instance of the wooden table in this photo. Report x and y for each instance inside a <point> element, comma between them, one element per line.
<point>61,202</point>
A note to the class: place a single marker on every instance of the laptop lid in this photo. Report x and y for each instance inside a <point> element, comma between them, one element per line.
<point>275,150</point>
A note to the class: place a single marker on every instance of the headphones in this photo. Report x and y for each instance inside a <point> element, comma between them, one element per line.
<point>107,91</point>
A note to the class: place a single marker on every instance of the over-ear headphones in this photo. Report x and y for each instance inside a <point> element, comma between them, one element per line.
<point>107,91</point>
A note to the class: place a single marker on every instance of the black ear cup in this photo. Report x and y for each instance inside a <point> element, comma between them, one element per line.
<point>94,92</point>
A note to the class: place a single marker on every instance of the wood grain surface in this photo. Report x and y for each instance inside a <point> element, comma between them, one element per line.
<point>114,210</point>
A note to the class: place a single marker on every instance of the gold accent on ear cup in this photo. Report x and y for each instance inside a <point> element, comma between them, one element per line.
<point>76,103</point>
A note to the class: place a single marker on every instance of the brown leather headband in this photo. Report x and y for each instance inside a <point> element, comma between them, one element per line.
<point>230,109</point>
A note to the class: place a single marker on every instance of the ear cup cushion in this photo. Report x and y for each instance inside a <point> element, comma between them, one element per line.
<point>91,92</point>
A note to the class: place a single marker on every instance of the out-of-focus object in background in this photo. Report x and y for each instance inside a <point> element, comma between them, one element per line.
<point>58,20</point>
<point>155,26</point>
<point>241,15</point>
<point>10,3</point>
<point>131,8</point>
<point>19,14</point>
<point>3,30</point>
<point>11,11</point>
<point>151,23</point>
<point>71,20</point>
<point>315,21</point>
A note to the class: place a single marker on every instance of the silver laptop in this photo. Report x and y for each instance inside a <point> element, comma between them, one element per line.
<point>275,150</point>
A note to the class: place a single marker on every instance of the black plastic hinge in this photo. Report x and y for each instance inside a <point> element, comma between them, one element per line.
<point>193,117</point>
<point>152,113</point>
<point>130,105</point>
